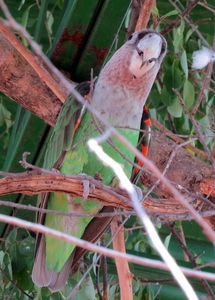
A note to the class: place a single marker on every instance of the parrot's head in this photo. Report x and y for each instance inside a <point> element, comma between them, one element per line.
<point>139,58</point>
<point>134,67</point>
<point>147,48</point>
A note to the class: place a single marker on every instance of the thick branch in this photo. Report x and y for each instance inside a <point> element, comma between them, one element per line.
<point>31,183</point>
<point>145,14</point>
<point>191,176</point>
<point>26,80</point>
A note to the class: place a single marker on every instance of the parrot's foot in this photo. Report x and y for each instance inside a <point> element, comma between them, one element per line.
<point>115,182</point>
<point>138,192</point>
<point>86,191</point>
<point>55,170</point>
<point>87,185</point>
<point>98,176</point>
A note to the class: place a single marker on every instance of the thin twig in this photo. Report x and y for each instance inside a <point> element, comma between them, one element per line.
<point>182,15</point>
<point>104,270</point>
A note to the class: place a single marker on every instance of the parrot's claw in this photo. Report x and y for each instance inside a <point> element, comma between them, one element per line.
<point>138,192</point>
<point>98,176</point>
<point>55,170</point>
<point>87,187</point>
<point>86,191</point>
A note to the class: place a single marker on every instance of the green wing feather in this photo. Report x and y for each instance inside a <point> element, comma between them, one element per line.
<point>62,136</point>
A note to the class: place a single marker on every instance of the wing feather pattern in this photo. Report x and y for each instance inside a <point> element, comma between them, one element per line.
<point>63,132</point>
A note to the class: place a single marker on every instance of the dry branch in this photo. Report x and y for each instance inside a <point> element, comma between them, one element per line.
<point>38,181</point>
<point>28,81</point>
<point>125,276</point>
<point>31,183</point>
<point>145,14</point>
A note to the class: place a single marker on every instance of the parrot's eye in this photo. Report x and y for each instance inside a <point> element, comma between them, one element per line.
<point>151,60</point>
<point>130,37</point>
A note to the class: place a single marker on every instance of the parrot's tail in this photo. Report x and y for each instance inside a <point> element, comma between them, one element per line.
<point>43,277</point>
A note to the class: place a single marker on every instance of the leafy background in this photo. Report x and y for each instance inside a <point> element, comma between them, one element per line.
<point>95,30</point>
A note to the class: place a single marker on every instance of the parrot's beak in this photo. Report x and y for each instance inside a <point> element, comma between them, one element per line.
<point>144,61</point>
<point>149,49</point>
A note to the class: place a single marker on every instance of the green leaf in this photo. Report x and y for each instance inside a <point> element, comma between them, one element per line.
<point>135,285</point>
<point>2,117</point>
<point>6,140</point>
<point>177,79</point>
<point>206,128</point>
<point>21,4</point>
<point>165,97</point>
<point>188,94</point>
<point>27,246</point>
<point>18,260</point>
<point>209,106</point>
<point>112,292</point>
<point>45,292</point>
<point>155,10</point>
<point>24,22</point>
<point>189,33</point>
<point>175,109</point>
<point>171,13</point>
<point>140,246</point>
<point>178,35</point>
<point>50,21</point>
<point>23,279</point>
<point>88,288</point>
<point>5,116</point>
<point>167,240</point>
<point>11,238</point>
<point>7,265</point>
<point>56,296</point>
<point>173,79</point>
<point>183,62</point>
<point>127,18</point>
<point>60,3</point>
<point>25,16</point>
<point>1,257</point>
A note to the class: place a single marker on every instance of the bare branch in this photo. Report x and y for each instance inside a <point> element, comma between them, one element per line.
<point>124,274</point>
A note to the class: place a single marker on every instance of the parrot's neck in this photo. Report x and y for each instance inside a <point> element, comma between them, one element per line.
<point>123,112</point>
<point>121,101</point>
<point>118,94</point>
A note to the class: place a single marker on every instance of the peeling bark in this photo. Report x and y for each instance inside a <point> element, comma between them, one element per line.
<point>24,79</point>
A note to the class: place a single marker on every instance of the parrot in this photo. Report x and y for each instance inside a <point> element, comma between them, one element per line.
<point>119,96</point>
<point>144,143</point>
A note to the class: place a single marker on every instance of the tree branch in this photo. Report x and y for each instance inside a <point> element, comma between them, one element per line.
<point>25,76</point>
<point>125,276</point>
